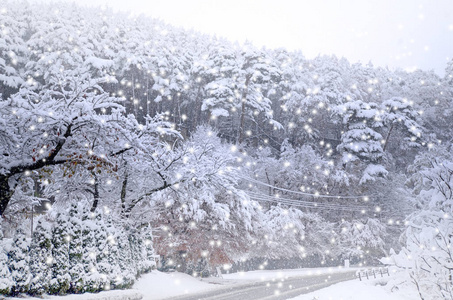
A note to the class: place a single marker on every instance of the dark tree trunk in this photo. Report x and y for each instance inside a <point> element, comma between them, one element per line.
<point>123,194</point>
<point>244,99</point>
<point>198,104</point>
<point>5,193</point>
<point>387,138</point>
<point>95,194</point>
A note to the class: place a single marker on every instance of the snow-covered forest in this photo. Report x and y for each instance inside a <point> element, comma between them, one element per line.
<point>123,138</point>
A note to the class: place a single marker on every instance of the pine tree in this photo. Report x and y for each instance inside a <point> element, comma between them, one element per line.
<point>147,235</point>
<point>400,114</point>
<point>360,142</point>
<point>135,243</point>
<point>41,258</point>
<point>6,281</point>
<point>125,260</point>
<point>90,252</point>
<point>60,253</point>
<point>105,270</point>
<point>18,262</point>
<point>76,268</point>
<point>110,259</point>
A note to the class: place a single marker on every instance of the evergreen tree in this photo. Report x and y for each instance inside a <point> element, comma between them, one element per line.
<point>60,253</point>
<point>76,267</point>
<point>90,232</point>
<point>147,236</point>
<point>18,262</point>
<point>41,258</point>
<point>6,281</point>
<point>110,257</point>
<point>361,143</point>
<point>125,259</point>
<point>107,271</point>
<point>137,251</point>
<point>399,113</point>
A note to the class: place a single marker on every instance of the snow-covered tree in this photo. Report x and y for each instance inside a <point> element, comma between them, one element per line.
<point>59,283</point>
<point>109,259</point>
<point>398,112</point>
<point>284,234</point>
<point>206,211</point>
<point>361,142</point>
<point>427,253</point>
<point>90,108</point>
<point>6,281</point>
<point>41,258</point>
<point>90,235</point>
<point>76,265</point>
<point>359,239</point>
<point>13,48</point>
<point>125,260</point>
<point>149,262</point>
<point>18,262</point>
<point>106,270</point>
<point>47,128</point>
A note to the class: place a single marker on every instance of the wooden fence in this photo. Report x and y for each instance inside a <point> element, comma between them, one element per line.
<point>372,273</point>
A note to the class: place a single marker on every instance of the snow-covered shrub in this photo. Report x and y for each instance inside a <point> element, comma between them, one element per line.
<point>60,254</point>
<point>41,258</point>
<point>91,233</point>
<point>359,239</point>
<point>147,236</point>
<point>125,260</point>
<point>428,251</point>
<point>108,259</point>
<point>18,262</point>
<point>428,255</point>
<point>76,252</point>
<point>76,266</point>
<point>6,281</point>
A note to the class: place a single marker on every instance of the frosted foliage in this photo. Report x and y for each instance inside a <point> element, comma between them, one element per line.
<point>59,283</point>
<point>428,254</point>
<point>209,206</point>
<point>429,235</point>
<point>76,252</point>
<point>18,262</point>
<point>6,281</point>
<point>371,172</point>
<point>41,258</point>
<point>359,237</point>
<point>149,139</point>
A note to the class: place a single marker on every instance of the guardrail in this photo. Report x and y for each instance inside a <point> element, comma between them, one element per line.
<point>367,273</point>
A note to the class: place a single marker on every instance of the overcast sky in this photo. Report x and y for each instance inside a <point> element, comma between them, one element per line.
<point>394,33</point>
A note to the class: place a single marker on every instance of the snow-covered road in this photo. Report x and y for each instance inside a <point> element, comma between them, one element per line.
<point>275,289</point>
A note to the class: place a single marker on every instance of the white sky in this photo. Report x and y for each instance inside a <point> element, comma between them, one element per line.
<point>394,33</point>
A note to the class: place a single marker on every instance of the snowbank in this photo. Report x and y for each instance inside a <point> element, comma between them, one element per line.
<point>107,295</point>
<point>158,285</point>
<point>358,290</point>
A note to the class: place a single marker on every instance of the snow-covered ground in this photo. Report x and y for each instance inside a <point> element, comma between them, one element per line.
<point>106,295</point>
<point>151,286</point>
<point>158,285</point>
<point>374,289</point>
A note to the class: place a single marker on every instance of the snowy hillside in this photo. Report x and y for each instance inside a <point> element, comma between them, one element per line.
<point>127,144</point>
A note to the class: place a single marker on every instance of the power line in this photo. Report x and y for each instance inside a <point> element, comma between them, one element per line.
<point>305,204</point>
<point>301,193</point>
<point>255,194</point>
